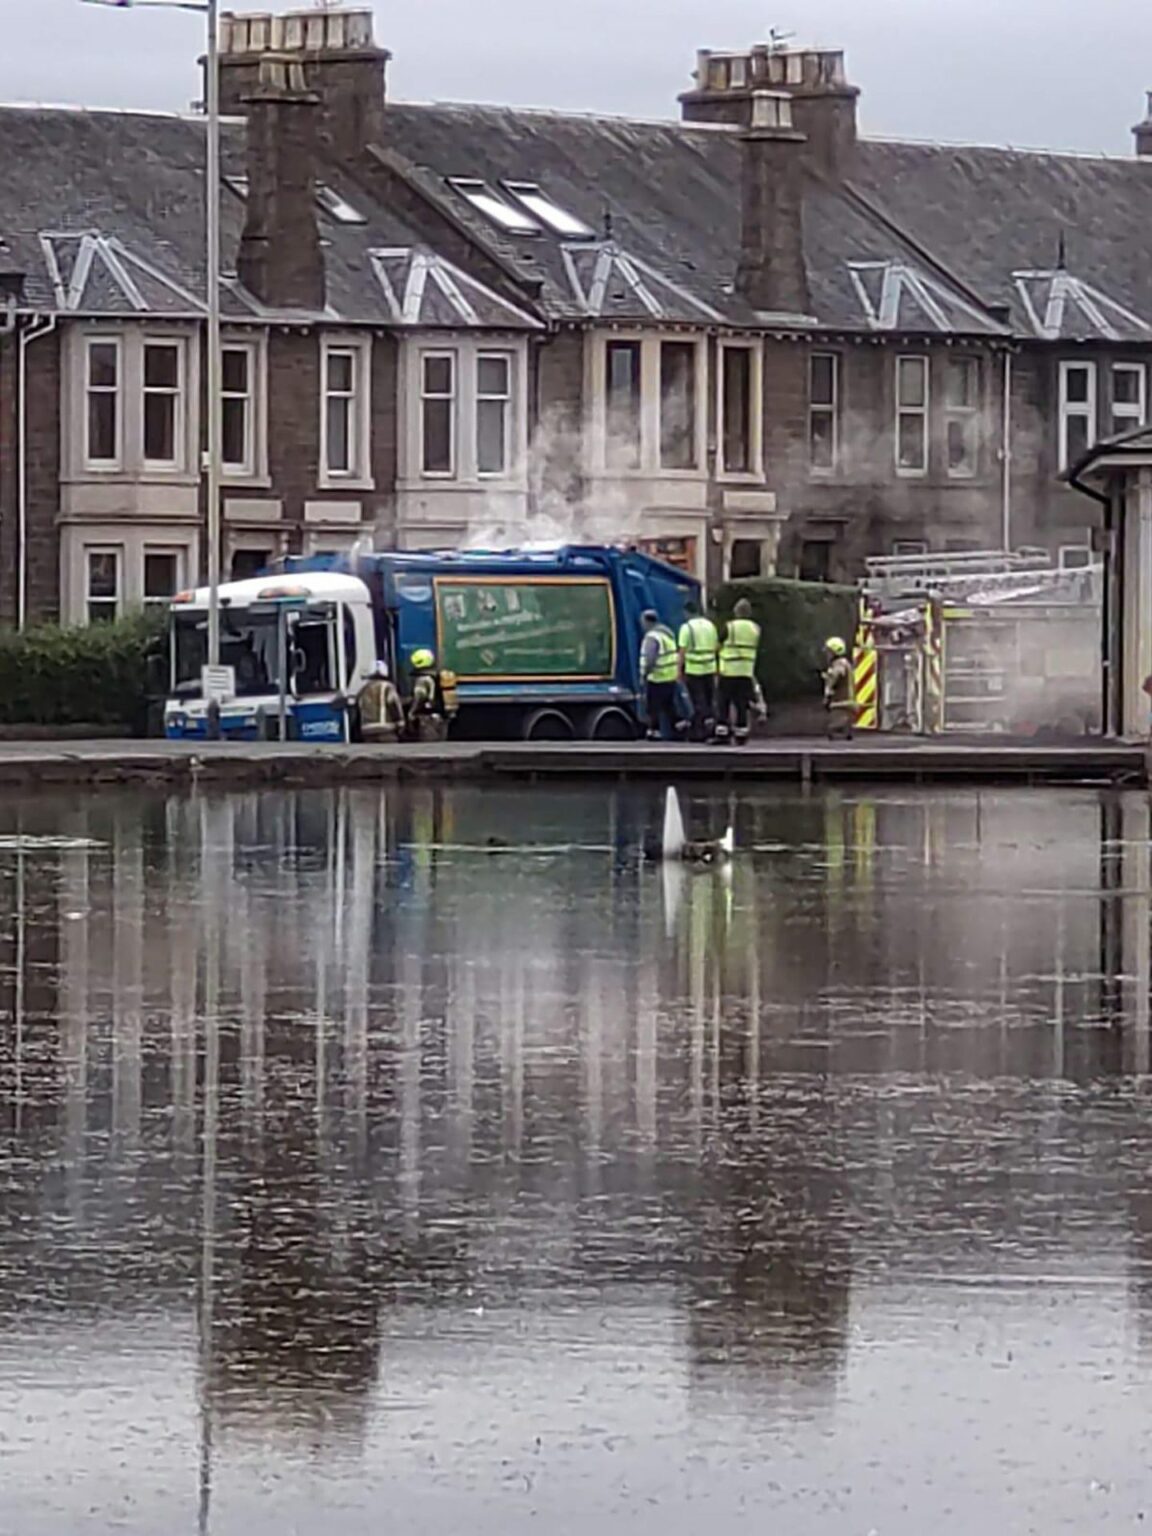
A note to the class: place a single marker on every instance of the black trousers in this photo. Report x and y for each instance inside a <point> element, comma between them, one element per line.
<point>660,702</point>
<point>702,692</point>
<point>737,696</point>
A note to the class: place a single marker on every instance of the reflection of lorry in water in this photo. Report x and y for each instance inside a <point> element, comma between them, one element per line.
<point>543,644</point>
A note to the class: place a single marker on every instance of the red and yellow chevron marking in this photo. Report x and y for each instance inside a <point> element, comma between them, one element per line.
<point>933,672</point>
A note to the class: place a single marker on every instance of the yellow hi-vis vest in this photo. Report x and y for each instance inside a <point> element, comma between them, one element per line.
<point>738,653</point>
<point>700,644</point>
<point>666,667</point>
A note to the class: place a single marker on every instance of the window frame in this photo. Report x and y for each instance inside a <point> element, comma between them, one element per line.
<point>358,475</point>
<point>689,346</point>
<point>177,393</point>
<point>450,355</point>
<point>645,464</point>
<point>252,465</point>
<point>969,415</point>
<point>179,579</point>
<point>508,358</point>
<point>755,422</point>
<point>922,411</point>
<point>1134,415</point>
<point>116,392</point>
<point>830,409</point>
<point>634,344</point>
<point>1077,410</point>
<point>115,603</point>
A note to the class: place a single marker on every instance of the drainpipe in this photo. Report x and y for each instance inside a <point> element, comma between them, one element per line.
<point>1006,466</point>
<point>38,328</point>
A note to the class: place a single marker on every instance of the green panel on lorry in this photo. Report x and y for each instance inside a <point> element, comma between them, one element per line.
<point>494,628</point>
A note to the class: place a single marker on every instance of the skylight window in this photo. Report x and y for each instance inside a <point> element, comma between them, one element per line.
<point>510,218</point>
<point>338,208</point>
<point>555,218</point>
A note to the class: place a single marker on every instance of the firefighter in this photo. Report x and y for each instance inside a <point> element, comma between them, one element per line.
<point>660,676</point>
<point>839,689</point>
<point>427,719</point>
<point>738,674</point>
<point>699,645</point>
<point>380,707</point>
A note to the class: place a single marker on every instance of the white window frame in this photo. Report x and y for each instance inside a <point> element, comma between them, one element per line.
<point>116,604</point>
<point>688,342</point>
<point>1132,415</point>
<point>969,415</point>
<point>907,471</point>
<point>254,466</point>
<point>1085,410</point>
<point>358,474</point>
<point>755,470</point>
<point>509,400</point>
<point>1074,549</point>
<point>178,395</point>
<point>117,461</point>
<point>178,553</point>
<point>823,409</point>
<point>596,376</point>
<point>452,357</point>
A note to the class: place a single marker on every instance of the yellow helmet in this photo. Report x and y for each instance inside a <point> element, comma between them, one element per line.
<point>423,660</point>
<point>836,646</point>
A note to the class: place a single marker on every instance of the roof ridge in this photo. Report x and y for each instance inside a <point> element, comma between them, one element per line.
<point>1002,149</point>
<point>582,114</point>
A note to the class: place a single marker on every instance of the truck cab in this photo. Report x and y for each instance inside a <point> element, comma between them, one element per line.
<point>313,635</point>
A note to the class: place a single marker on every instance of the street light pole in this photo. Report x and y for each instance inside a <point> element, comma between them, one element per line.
<point>214,351</point>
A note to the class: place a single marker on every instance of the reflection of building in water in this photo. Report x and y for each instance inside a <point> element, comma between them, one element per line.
<point>428,1068</point>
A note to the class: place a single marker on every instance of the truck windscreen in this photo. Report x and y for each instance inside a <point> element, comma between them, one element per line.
<point>250,643</point>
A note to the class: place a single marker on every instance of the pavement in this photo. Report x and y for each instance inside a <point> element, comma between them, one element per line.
<point>804,759</point>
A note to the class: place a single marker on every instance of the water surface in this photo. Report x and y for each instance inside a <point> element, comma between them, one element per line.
<point>357,1176</point>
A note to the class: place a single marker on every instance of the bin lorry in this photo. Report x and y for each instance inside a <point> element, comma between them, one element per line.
<point>542,644</point>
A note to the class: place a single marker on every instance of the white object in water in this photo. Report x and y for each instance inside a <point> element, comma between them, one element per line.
<point>728,843</point>
<point>674,839</point>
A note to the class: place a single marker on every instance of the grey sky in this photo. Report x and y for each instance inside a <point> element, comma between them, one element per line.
<point>1031,72</point>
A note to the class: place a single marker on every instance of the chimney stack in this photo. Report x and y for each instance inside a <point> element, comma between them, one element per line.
<point>772,276</point>
<point>823,103</point>
<point>281,261</point>
<point>1142,132</point>
<point>336,50</point>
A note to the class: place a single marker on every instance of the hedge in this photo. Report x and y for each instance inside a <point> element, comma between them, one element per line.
<point>796,618</point>
<point>100,676</point>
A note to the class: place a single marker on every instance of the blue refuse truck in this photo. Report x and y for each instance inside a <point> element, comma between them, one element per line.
<point>542,644</point>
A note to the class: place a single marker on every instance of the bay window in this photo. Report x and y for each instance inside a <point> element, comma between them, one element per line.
<point>102,585</point>
<point>962,406</point>
<point>1129,397</point>
<point>622,395</point>
<point>163,402</point>
<point>912,415</point>
<point>438,413</point>
<point>493,412</point>
<point>1077,411</point>
<point>678,405</point>
<point>102,413</point>
<point>824,411</point>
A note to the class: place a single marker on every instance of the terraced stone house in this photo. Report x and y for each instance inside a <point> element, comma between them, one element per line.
<point>751,339</point>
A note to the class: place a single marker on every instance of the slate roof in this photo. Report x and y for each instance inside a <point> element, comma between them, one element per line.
<point>103,211</point>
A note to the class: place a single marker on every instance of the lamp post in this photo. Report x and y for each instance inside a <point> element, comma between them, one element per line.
<point>210,10</point>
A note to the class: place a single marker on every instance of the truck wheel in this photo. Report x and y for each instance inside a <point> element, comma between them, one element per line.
<point>611,723</point>
<point>547,725</point>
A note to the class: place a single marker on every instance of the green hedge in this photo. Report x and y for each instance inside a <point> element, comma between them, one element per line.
<point>101,676</point>
<point>796,618</point>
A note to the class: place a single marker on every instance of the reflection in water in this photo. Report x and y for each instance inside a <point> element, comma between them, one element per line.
<point>546,1183</point>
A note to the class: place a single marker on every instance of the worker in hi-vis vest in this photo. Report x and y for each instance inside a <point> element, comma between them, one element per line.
<point>659,676</point>
<point>839,688</point>
<point>699,644</point>
<point>738,654</point>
